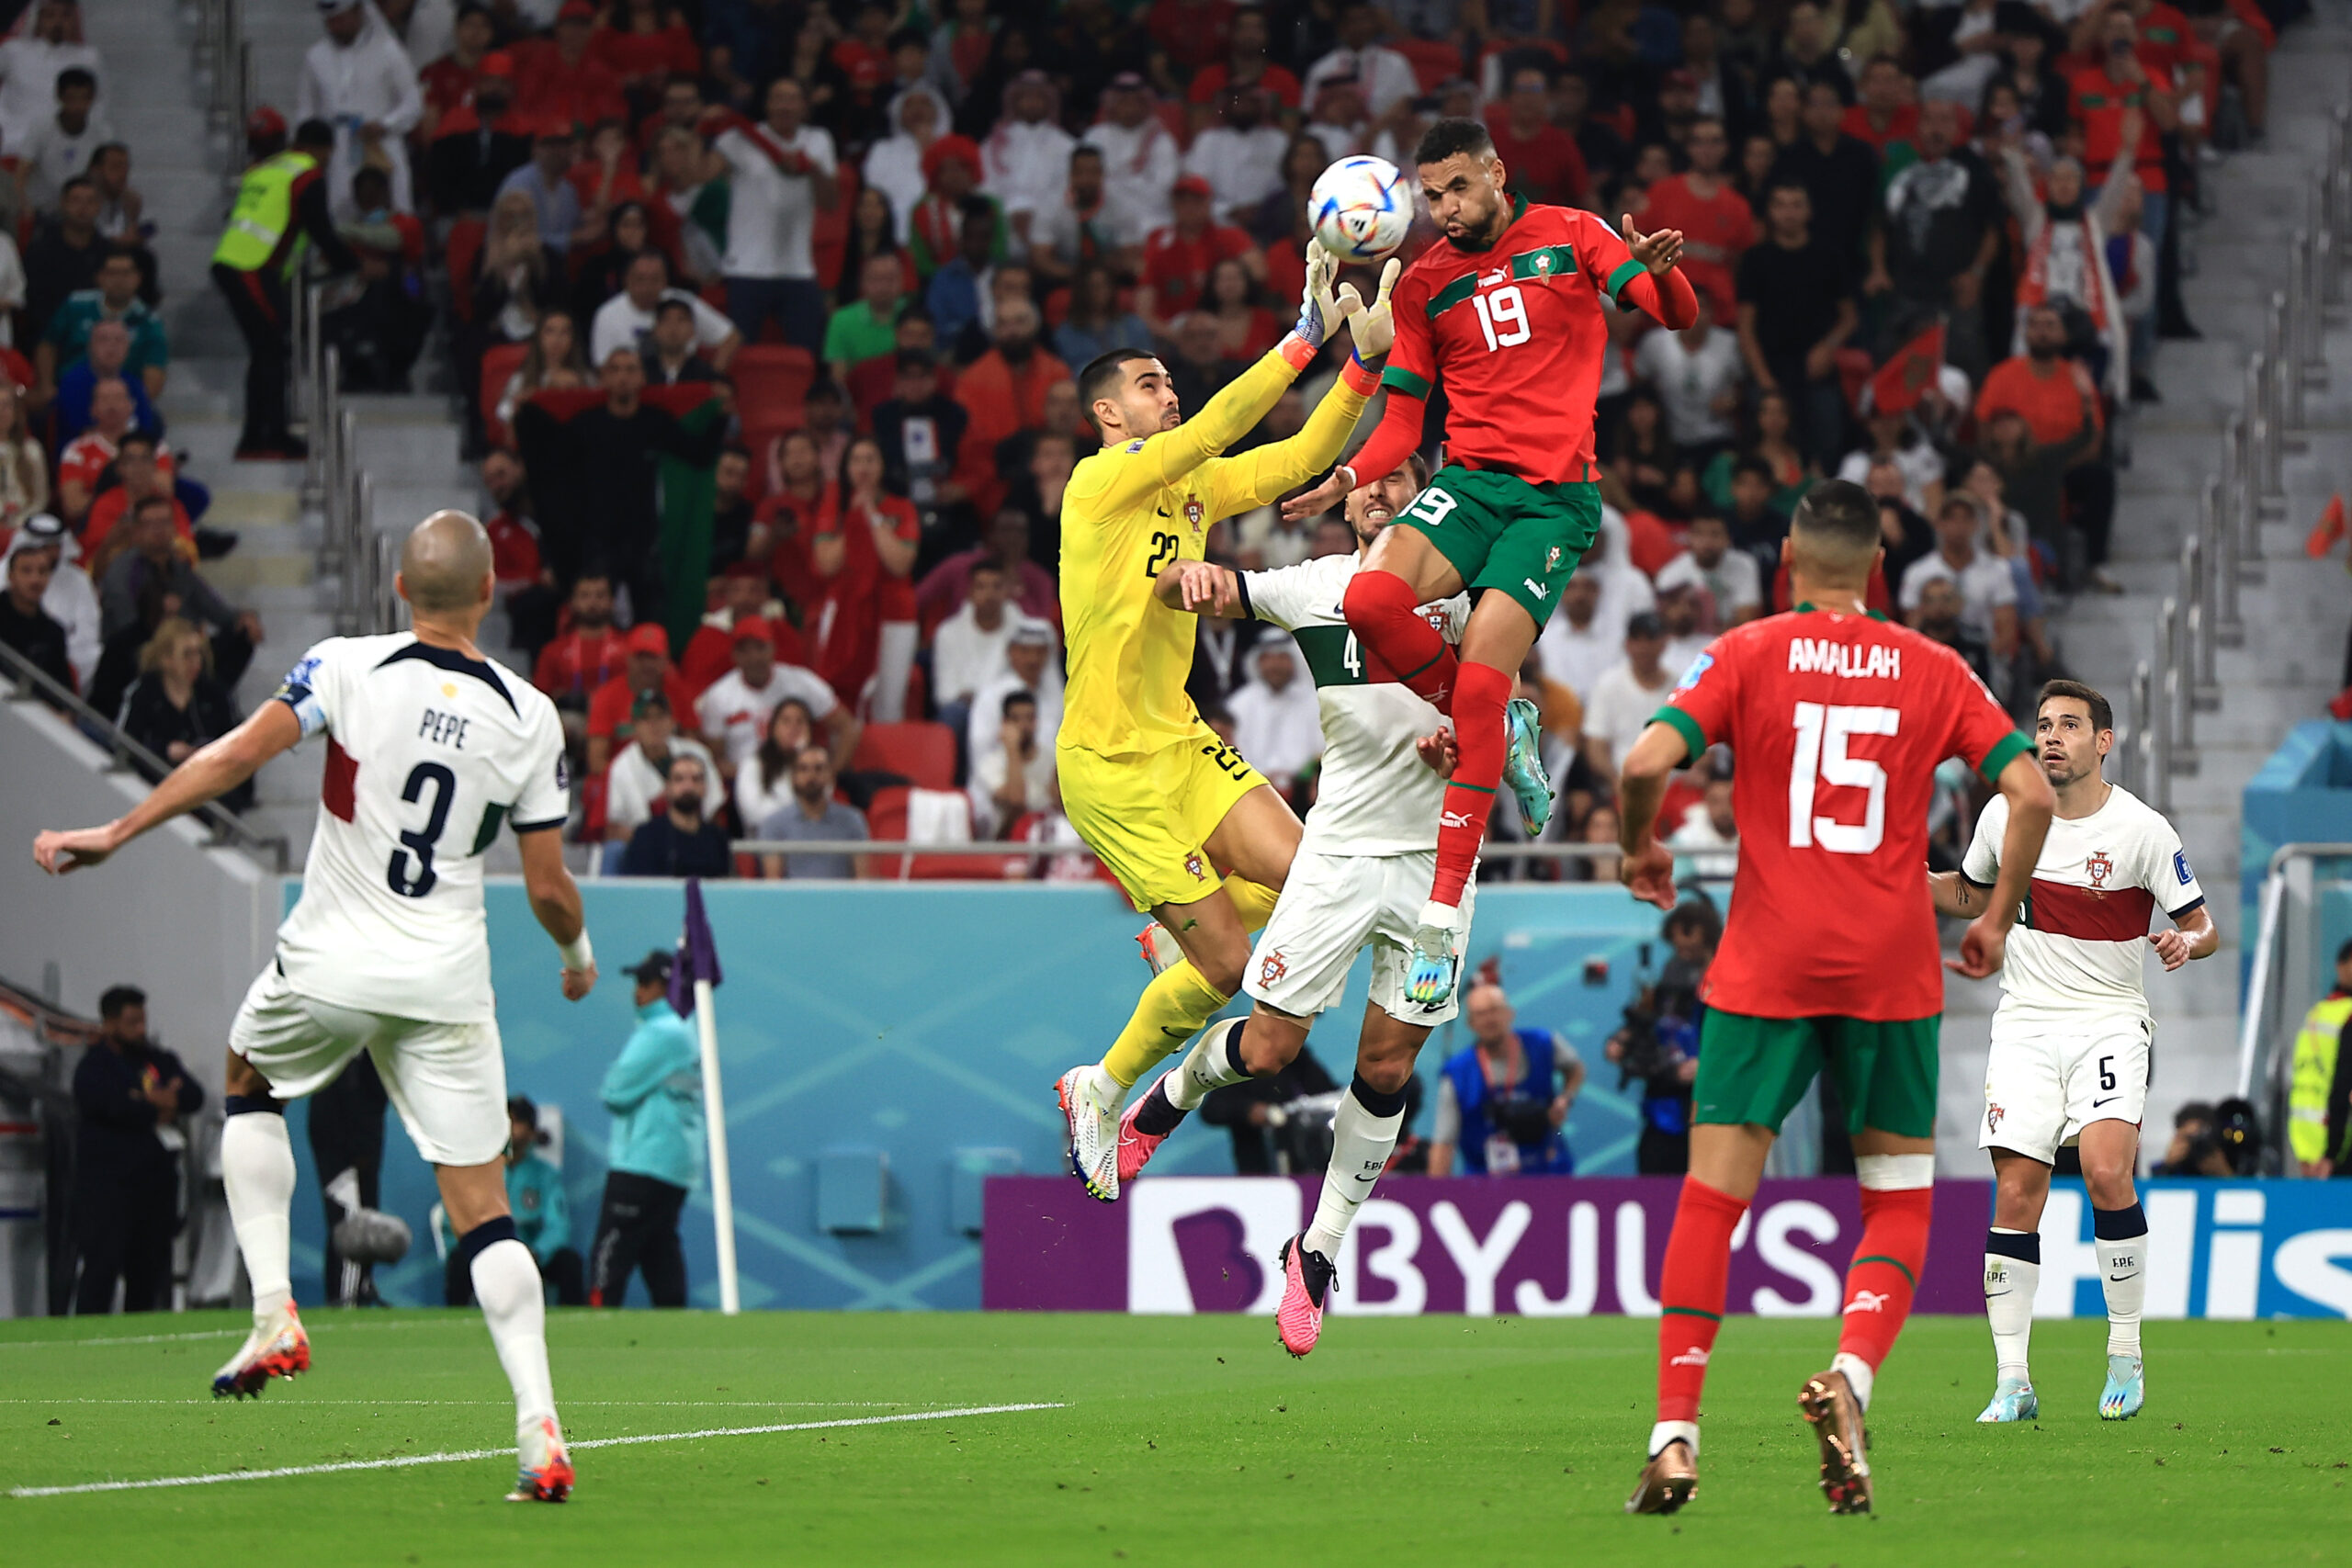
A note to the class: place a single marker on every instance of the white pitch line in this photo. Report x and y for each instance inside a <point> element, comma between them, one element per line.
<point>406,1461</point>
<point>329,1327</point>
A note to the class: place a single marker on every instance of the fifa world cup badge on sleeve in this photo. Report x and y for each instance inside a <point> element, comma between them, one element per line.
<point>1699,668</point>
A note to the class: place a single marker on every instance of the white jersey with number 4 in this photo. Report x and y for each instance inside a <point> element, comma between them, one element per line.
<point>2082,942</point>
<point>1374,795</point>
<point>429,754</point>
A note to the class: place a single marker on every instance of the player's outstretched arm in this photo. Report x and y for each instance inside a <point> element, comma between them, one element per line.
<point>1660,289</point>
<point>555,901</point>
<point>212,772</point>
<point>1647,869</point>
<point>1164,459</point>
<point>1955,896</point>
<point>2026,789</point>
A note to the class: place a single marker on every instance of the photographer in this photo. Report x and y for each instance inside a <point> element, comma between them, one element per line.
<point>2222,1140</point>
<point>1501,1100</point>
<point>1254,1111</point>
<point>1659,1041</point>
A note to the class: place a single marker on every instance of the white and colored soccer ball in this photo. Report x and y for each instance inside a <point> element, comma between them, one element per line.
<point>1361,209</point>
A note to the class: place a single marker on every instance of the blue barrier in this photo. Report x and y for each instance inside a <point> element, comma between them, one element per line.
<point>925,1025</point>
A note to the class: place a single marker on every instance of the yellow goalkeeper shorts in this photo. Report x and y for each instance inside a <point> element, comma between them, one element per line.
<point>1148,815</point>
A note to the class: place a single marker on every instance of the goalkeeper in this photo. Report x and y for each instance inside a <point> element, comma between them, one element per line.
<point>1148,785</point>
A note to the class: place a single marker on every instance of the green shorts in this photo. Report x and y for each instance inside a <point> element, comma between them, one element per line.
<point>1501,532</point>
<point>1756,1069</point>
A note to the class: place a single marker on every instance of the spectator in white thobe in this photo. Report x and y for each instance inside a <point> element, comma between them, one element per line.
<point>360,80</point>
<point>1025,163</point>
<point>1140,161</point>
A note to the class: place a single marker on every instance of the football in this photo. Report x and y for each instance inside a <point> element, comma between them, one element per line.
<point>1360,208</point>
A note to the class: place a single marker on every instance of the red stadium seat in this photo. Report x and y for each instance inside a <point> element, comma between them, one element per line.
<point>886,820</point>
<point>922,753</point>
<point>871,382</point>
<point>498,367</point>
<point>462,252</point>
<point>771,380</point>
<point>1433,60</point>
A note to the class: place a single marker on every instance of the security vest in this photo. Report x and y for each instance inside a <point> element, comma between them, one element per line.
<point>264,210</point>
<point>2315,1048</point>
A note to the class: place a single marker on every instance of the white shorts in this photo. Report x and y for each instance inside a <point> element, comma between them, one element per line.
<point>1331,907</point>
<point>447,1081</point>
<point>2049,1075</point>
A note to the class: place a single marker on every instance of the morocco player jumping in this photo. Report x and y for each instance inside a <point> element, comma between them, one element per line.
<point>2069,1058</point>
<point>1357,883</point>
<point>1829,962</point>
<point>1146,784</point>
<point>431,748</point>
<point>1505,315</point>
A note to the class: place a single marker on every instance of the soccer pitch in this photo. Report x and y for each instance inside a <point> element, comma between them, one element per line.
<point>1435,1441</point>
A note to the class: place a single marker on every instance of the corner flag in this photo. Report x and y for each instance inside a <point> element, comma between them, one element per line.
<point>691,979</point>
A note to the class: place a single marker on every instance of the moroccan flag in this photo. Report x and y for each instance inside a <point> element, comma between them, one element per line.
<point>2330,528</point>
<point>1911,370</point>
<point>697,953</point>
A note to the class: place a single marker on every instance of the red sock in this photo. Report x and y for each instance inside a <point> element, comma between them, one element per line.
<point>1885,1271</point>
<point>1479,694</point>
<point>1690,1294</point>
<point>1383,613</point>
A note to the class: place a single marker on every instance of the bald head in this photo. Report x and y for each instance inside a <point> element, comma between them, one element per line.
<point>444,564</point>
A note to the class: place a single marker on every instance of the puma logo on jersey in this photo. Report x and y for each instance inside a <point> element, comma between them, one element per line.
<point>1868,1301</point>
<point>1538,588</point>
<point>1693,1357</point>
<point>1455,820</point>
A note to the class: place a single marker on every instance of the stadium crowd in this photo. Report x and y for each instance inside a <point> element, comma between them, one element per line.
<point>764,316</point>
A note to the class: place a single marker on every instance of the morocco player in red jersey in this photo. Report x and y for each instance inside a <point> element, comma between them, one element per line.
<point>1837,719</point>
<point>1506,314</point>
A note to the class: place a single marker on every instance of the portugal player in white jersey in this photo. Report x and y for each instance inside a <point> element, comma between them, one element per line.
<point>1359,880</point>
<point>431,749</point>
<point>2069,1060</point>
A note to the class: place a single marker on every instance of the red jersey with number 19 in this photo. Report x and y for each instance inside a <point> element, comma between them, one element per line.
<point>1839,722</point>
<point>1515,332</point>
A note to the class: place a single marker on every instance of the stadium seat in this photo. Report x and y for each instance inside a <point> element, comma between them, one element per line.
<point>922,753</point>
<point>871,382</point>
<point>886,820</point>
<point>771,380</point>
<point>1434,60</point>
<point>498,367</point>
<point>462,252</point>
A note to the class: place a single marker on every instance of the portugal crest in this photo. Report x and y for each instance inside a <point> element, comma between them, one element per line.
<point>1273,969</point>
<point>1195,512</point>
<point>2098,868</point>
<point>1199,871</point>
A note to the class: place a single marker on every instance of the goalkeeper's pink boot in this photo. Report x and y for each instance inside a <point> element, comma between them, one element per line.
<point>1306,1291</point>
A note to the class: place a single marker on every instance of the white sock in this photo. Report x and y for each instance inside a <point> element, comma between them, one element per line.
<point>2009,1285</point>
<point>1858,1375</point>
<point>1667,1432</point>
<point>507,1283</point>
<point>257,1171</point>
<point>1362,1141</point>
<point>1209,1065</point>
<point>2124,1275</point>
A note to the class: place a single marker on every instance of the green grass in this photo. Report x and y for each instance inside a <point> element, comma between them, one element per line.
<point>1426,1442</point>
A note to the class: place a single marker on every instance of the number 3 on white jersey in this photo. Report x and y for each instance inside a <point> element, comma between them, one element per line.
<point>1502,316</point>
<point>1822,731</point>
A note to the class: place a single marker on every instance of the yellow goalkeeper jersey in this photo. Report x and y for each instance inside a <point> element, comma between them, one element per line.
<point>1132,509</point>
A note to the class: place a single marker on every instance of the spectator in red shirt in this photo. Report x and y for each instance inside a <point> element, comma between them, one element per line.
<point>1541,159</point>
<point>1886,113</point>
<point>2128,75</point>
<point>139,473</point>
<point>646,45</point>
<point>448,82</point>
<point>1717,224</point>
<point>648,669</point>
<point>2041,386</point>
<point>1193,33</point>
<point>1244,66</point>
<point>1004,393</point>
<point>586,654</point>
<point>1176,260</point>
<point>560,80</point>
<point>863,549</point>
